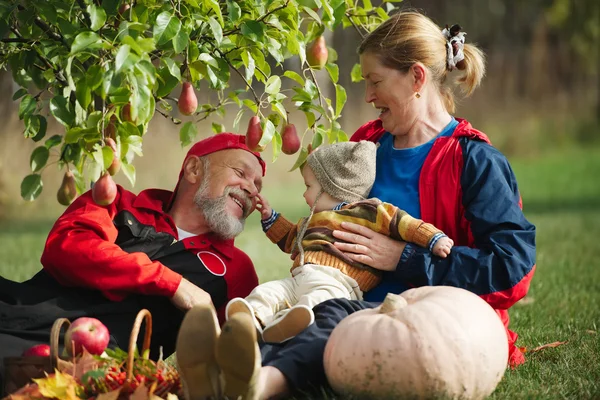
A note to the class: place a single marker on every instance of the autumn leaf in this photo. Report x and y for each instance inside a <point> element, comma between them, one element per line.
<point>140,393</point>
<point>114,395</point>
<point>542,347</point>
<point>27,392</point>
<point>58,385</point>
<point>85,363</point>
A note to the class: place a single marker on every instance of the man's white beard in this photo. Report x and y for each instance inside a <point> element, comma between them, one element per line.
<point>215,214</point>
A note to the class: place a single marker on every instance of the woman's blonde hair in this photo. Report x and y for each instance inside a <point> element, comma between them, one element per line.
<point>408,37</point>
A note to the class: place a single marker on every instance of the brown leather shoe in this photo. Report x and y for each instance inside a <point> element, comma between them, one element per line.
<point>195,354</point>
<point>239,357</point>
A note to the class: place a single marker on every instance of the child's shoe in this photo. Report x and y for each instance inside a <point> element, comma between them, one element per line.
<point>196,362</point>
<point>238,305</point>
<point>239,357</point>
<point>291,323</point>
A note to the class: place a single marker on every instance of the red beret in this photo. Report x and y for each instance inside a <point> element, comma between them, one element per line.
<point>212,144</point>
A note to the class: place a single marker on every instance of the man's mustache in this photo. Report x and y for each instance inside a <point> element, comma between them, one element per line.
<point>247,203</point>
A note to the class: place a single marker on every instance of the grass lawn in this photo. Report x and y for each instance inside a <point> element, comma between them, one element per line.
<point>561,195</point>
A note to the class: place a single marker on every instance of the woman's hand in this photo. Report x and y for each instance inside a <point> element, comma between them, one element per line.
<point>262,205</point>
<point>369,247</point>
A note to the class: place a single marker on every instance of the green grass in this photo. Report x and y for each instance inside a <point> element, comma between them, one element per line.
<point>561,195</point>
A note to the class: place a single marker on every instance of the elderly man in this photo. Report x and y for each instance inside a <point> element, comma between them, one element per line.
<point>161,250</point>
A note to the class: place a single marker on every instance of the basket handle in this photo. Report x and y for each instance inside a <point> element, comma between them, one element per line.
<point>55,339</point>
<point>141,316</point>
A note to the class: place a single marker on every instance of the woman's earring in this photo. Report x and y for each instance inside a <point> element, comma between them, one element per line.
<point>418,95</point>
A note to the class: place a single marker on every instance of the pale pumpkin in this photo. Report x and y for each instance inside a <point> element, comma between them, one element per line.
<point>428,342</point>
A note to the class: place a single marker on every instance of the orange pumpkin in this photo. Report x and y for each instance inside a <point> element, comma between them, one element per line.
<point>428,342</point>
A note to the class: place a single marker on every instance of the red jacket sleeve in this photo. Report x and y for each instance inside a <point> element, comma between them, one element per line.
<point>80,251</point>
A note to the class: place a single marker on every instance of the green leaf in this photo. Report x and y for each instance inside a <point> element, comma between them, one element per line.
<point>86,41</point>
<point>310,118</point>
<point>31,187</point>
<point>236,121</point>
<point>216,30</point>
<point>268,132</point>
<point>250,65</point>
<point>129,171</point>
<point>53,141</point>
<point>312,14</point>
<point>317,139</point>
<point>125,59</point>
<point>107,156</point>
<point>334,72</point>
<point>59,108</point>
<point>74,134</point>
<point>280,109</point>
<point>83,93</point>
<point>166,27</point>
<point>166,82</point>
<point>181,41</point>
<point>301,159</point>
<point>172,67</point>
<point>294,76</point>
<point>276,146</point>
<point>35,127</point>
<point>19,93</point>
<point>146,44</point>
<point>94,76</point>
<point>234,11</point>
<point>188,133</point>
<point>340,99</point>
<point>273,84</point>
<point>39,158</point>
<point>253,30</point>
<point>216,7</point>
<point>27,106</point>
<point>356,74</point>
<point>217,128</point>
<point>97,16</point>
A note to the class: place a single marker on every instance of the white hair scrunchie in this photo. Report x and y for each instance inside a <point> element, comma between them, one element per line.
<point>455,43</point>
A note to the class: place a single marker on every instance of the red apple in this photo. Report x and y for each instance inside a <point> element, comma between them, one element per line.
<point>89,333</point>
<point>39,350</point>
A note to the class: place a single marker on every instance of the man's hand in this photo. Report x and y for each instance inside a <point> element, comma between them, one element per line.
<point>189,295</point>
<point>263,206</point>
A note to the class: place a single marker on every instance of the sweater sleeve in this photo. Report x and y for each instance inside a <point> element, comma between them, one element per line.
<point>405,227</point>
<point>80,251</point>
<point>501,267</point>
<point>283,233</point>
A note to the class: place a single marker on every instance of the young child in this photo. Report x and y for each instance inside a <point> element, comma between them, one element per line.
<point>338,179</point>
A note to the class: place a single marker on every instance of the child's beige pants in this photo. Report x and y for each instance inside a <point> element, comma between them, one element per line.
<point>309,285</point>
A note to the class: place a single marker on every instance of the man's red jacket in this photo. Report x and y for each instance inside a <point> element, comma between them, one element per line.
<point>468,190</point>
<point>131,247</point>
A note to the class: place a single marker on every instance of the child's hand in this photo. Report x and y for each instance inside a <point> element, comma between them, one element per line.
<point>262,205</point>
<point>442,247</point>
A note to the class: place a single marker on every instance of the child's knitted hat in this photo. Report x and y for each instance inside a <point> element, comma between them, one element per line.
<point>345,170</point>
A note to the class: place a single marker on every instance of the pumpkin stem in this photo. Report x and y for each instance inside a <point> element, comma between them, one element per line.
<point>392,302</point>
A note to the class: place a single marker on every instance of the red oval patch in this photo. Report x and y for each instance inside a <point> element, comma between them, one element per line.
<point>212,263</point>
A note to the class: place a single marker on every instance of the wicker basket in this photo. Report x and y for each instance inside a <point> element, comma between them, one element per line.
<point>19,371</point>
